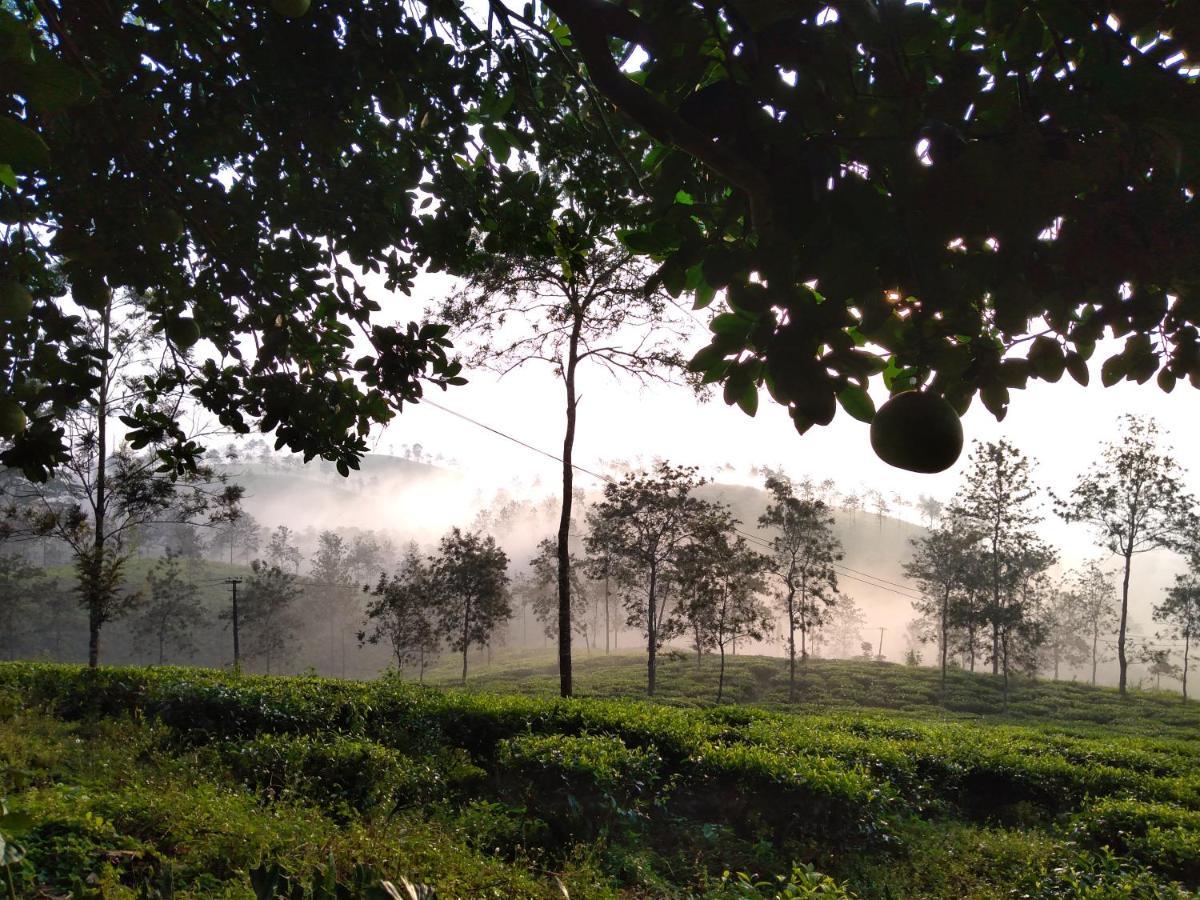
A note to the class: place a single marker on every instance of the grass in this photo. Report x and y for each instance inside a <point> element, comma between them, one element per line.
<point>193,783</point>
<point>823,685</point>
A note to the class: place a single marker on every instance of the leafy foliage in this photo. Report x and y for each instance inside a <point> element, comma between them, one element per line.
<point>311,774</point>
<point>941,182</point>
<point>1135,500</point>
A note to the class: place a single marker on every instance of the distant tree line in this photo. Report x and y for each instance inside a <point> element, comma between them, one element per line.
<point>989,594</point>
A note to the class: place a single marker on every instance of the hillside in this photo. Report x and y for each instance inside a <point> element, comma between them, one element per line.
<point>188,783</point>
<point>822,685</point>
<point>417,501</point>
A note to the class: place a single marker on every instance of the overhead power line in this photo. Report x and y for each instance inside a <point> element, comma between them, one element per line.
<point>866,578</point>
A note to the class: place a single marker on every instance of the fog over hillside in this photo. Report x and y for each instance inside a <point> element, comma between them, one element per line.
<point>393,500</point>
<point>410,500</point>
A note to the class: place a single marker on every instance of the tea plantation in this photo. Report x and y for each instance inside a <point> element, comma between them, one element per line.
<point>193,783</point>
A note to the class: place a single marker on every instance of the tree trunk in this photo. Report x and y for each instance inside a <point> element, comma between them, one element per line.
<point>237,647</point>
<point>1187,640</point>
<point>466,643</point>
<point>945,635</point>
<point>1004,649</point>
<point>564,520</point>
<point>1095,643</point>
<point>606,626</point>
<point>1121,660</point>
<point>721,675</point>
<point>996,583</point>
<point>791,608</point>
<point>651,634</point>
<point>95,601</point>
<point>93,628</point>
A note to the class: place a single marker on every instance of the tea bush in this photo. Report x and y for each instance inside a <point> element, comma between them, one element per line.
<point>133,776</point>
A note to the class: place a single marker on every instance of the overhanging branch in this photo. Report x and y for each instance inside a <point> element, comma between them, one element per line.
<point>592,24</point>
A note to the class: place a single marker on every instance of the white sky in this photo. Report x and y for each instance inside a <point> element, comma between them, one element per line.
<point>1060,426</point>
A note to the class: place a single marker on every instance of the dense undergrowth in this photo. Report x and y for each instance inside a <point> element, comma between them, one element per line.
<point>192,783</point>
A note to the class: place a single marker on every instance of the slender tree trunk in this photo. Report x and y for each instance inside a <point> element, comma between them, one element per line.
<point>1004,649</point>
<point>791,608</point>
<point>466,643</point>
<point>606,626</point>
<point>721,675</point>
<point>564,521</point>
<point>1187,641</point>
<point>237,647</point>
<point>996,590</point>
<point>95,600</point>
<point>945,635</point>
<point>1095,648</point>
<point>1121,660</point>
<point>651,633</point>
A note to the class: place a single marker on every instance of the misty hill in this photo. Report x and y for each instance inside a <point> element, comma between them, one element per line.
<point>875,547</point>
<point>414,500</point>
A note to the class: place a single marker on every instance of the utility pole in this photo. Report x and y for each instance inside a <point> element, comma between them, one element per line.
<point>237,654</point>
<point>881,631</point>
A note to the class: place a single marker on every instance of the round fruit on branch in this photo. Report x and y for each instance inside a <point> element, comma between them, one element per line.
<point>917,431</point>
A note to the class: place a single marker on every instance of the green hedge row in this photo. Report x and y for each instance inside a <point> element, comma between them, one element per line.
<point>602,766</point>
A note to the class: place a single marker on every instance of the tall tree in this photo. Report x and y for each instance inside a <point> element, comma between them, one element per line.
<point>943,564</point>
<point>1065,629</point>
<point>1019,621</point>
<point>726,602</point>
<point>235,530</point>
<point>543,570</point>
<point>171,613</point>
<point>997,497</point>
<point>270,625</point>
<point>581,298</point>
<point>605,566</point>
<point>803,552</point>
<point>470,581</point>
<point>333,583</point>
<point>106,491</point>
<point>1097,601</point>
<point>364,557</point>
<point>1134,499</point>
<point>1180,612</point>
<point>401,613</point>
<point>930,508</point>
<point>846,622</point>
<point>646,519</point>
<point>281,551</point>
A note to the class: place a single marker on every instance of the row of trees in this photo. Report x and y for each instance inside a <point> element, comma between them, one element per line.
<point>985,574</point>
<point>673,563</point>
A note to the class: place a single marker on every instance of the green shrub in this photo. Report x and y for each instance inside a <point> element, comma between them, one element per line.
<point>582,787</point>
<point>802,881</point>
<point>1162,836</point>
<point>1099,876</point>
<point>791,795</point>
<point>350,772</point>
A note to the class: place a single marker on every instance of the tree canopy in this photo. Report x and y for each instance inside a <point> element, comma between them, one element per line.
<point>957,195</point>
